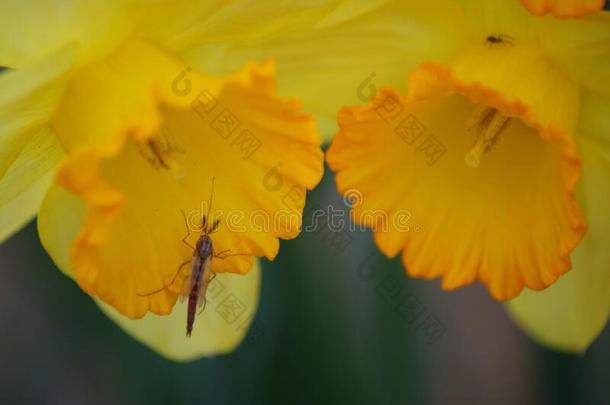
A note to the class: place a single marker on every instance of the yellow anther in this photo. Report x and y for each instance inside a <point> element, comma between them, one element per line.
<point>488,124</point>
<point>162,157</point>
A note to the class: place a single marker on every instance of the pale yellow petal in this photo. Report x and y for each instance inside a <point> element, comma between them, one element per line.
<point>182,24</point>
<point>346,10</point>
<point>346,62</point>
<point>580,46</point>
<point>232,301</point>
<point>569,315</point>
<point>28,97</point>
<point>27,180</point>
<point>61,218</point>
<point>29,30</point>
<point>595,117</point>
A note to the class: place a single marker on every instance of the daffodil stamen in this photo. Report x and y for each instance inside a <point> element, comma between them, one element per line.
<point>488,124</point>
<point>480,116</point>
<point>159,155</point>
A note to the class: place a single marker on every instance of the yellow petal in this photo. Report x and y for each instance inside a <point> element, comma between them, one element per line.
<point>354,57</point>
<point>348,10</point>
<point>563,8</point>
<point>60,219</point>
<point>569,315</point>
<point>27,180</point>
<point>595,117</point>
<point>580,46</point>
<point>231,306</point>
<point>472,219</point>
<point>28,98</point>
<point>394,38</point>
<point>31,30</point>
<point>143,150</point>
<point>179,25</point>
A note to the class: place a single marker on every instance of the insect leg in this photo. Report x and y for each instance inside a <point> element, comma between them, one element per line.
<point>188,231</point>
<point>221,252</point>
<point>225,255</point>
<point>212,277</point>
<point>172,282</point>
<point>205,301</point>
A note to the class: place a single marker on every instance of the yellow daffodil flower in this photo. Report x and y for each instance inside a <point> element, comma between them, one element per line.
<point>498,149</point>
<point>114,138</point>
<point>487,148</point>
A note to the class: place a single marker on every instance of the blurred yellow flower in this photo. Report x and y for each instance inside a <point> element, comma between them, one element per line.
<point>101,93</point>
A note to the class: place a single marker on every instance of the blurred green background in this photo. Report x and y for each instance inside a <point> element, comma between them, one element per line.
<point>329,330</point>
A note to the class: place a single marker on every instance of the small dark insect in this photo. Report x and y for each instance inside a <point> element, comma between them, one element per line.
<point>196,285</point>
<point>499,39</point>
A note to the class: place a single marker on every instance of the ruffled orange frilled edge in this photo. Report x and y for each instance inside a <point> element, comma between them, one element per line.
<point>572,163</point>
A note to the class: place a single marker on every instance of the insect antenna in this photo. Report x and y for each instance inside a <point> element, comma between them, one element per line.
<point>204,220</point>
